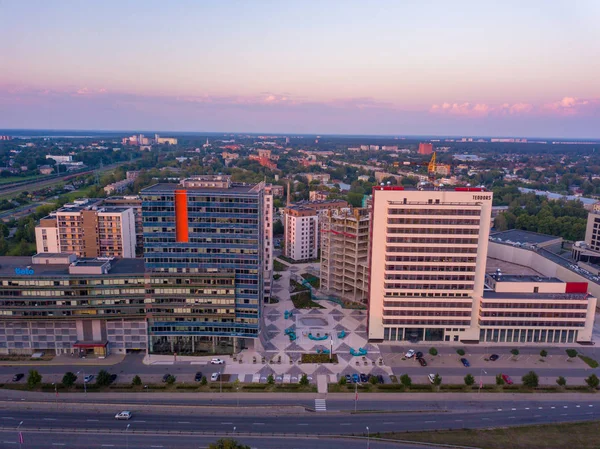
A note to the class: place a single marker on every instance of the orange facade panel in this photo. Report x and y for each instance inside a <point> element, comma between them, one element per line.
<point>181,216</point>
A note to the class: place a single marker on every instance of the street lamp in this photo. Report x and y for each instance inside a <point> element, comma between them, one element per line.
<point>127,436</point>
<point>221,380</point>
<point>234,429</point>
<point>84,382</point>
<point>55,393</point>
<point>368,438</point>
<point>19,434</point>
<point>480,378</point>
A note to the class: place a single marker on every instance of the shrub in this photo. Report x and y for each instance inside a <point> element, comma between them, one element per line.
<point>342,380</point>
<point>103,378</point>
<point>137,381</point>
<point>514,352</point>
<point>469,380</point>
<point>171,379</point>
<point>590,361</point>
<point>391,387</point>
<point>204,380</point>
<point>69,379</point>
<point>405,380</point>
<point>304,380</point>
<point>543,353</point>
<point>270,379</point>
<point>592,381</point>
<point>437,380</point>
<point>561,381</point>
<point>531,380</point>
<point>571,353</point>
<point>34,378</point>
<point>460,352</point>
<point>499,380</point>
<point>373,380</point>
<point>433,351</point>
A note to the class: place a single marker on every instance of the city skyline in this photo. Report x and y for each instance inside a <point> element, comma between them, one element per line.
<point>434,69</point>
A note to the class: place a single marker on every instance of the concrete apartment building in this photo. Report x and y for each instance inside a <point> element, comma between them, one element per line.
<point>208,225</point>
<point>425,148</point>
<point>428,252</point>
<point>88,229</point>
<point>301,228</point>
<point>135,203</point>
<point>345,253</point>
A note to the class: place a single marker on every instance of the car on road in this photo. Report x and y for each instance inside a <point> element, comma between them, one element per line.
<point>214,377</point>
<point>506,378</point>
<point>88,378</point>
<point>198,376</point>
<point>419,355</point>
<point>112,378</point>
<point>125,414</point>
<point>363,378</point>
<point>494,357</point>
<point>165,378</point>
<point>465,362</point>
<point>422,361</point>
<point>348,379</point>
<point>217,361</point>
<point>431,378</point>
<point>355,378</point>
<point>410,353</point>
<point>17,377</point>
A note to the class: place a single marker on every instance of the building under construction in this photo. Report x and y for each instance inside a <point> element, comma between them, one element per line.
<point>345,253</point>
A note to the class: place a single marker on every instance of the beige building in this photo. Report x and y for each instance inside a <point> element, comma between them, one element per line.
<point>345,253</point>
<point>428,253</point>
<point>87,229</point>
<point>301,227</point>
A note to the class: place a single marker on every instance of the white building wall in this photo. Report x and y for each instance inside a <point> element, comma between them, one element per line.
<point>46,240</point>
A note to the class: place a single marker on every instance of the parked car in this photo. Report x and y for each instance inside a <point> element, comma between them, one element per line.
<point>17,377</point>
<point>113,377</point>
<point>355,378</point>
<point>214,377</point>
<point>410,353</point>
<point>380,379</point>
<point>125,414</point>
<point>419,355</point>
<point>494,357</point>
<point>166,377</point>
<point>348,378</point>
<point>431,378</point>
<point>465,362</point>
<point>217,361</point>
<point>422,361</point>
<point>363,378</point>
<point>198,376</point>
<point>506,378</point>
<point>88,378</point>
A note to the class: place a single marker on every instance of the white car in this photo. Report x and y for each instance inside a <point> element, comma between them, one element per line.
<point>431,378</point>
<point>410,353</point>
<point>214,377</point>
<point>217,361</point>
<point>88,378</point>
<point>123,415</point>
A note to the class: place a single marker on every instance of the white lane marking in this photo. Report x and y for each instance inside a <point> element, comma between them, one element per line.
<point>590,413</point>
<point>58,444</point>
<point>92,420</point>
<point>156,446</point>
<point>590,405</point>
<point>429,422</point>
<point>10,417</point>
<point>183,422</point>
<point>511,417</point>
<point>563,414</point>
<point>49,419</point>
<point>578,406</point>
<point>139,420</point>
<point>302,424</point>
<point>552,408</point>
<point>388,423</point>
<point>540,408</point>
<point>565,406</point>
<point>513,409</point>
<point>458,420</point>
<point>227,423</point>
<point>9,442</point>
<point>344,424</point>
<point>258,423</point>
<point>108,445</point>
<point>499,409</point>
<point>526,408</point>
<point>485,419</point>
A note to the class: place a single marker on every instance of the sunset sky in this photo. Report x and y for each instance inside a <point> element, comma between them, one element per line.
<point>522,68</point>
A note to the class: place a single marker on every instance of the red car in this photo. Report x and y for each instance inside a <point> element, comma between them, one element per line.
<point>506,378</point>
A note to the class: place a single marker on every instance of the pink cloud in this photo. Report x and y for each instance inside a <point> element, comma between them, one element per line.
<point>572,106</point>
<point>465,109</point>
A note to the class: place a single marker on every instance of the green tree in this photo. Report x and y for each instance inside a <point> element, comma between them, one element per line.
<point>203,381</point>
<point>561,381</point>
<point>103,378</point>
<point>69,379</point>
<point>437,380</point>
<point>137,381</point>
<point>171,379</point>
<point>303,380</point>
<point>270,379</point>
<point>460,352</point>
<point>227,443</point>
<point>34,378</point>
<point>531,379</point>
<point>406,380</point>
<point>571,353</point>
<point>342,380</point>
<point>469,380</point>
<point>499,379</point>
<point>543,353</point>
<point>514,352</point>
<point>433,351</point>
<point>278,228</point>
<point>592,381</point>
<point>373,380</point>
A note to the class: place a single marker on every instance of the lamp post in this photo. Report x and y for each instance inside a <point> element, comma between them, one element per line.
<point>55,393</point>
<point>127,436</point>
<point>480,378</point>
<point>368,438</point>
<point>20,435</point>
<point>84,382</point>
<point>221,380</point>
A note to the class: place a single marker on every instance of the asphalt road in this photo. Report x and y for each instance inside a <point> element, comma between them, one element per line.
<point>52,440</point>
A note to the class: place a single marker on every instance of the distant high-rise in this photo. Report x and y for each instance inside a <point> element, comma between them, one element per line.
<point>425,148</point>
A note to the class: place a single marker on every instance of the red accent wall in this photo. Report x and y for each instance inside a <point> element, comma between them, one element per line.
<point>576,287</point>
<point>470,189</point>
<point>181,216</point>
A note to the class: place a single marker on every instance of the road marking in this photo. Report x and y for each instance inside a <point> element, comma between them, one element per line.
<point>429,422</point>
<point>563,414</point>
<point>552,408</point>
<point>345,424</point>
<point>540,408</point>
<point>320,405</point>
<point>58,444</point>
<point>303,424</point>
<point>565,406</point>
<point>499,409</point>
<point>183,422</point>
<point>49,419</point>
<point>485,419</point>
<point>388,423</point>
<point>258,423</point>
<point>92,420</point>
<point>139,420</point>
<point>590,413</point>
<point>513,409</point>
<point>9,442</point>
<point>156,446</point>
<point>590,405</point>
<point>227,423</point>
<point>578,406</point>
<point>526,408</point>
<point>511,417</point>
<point>108,445</point>
<point>10,417</point>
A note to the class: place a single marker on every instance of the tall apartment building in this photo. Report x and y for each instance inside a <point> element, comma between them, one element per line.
<point>268,241</point>
<point>88,229</point>
<point>345,253</point>
<point>425,148</point>
<point>428,255</point>
<point>301,227</point>
<point>208,225</point>
<point>135,203</point>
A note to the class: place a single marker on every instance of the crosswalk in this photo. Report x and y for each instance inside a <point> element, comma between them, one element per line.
<point>320,405</point>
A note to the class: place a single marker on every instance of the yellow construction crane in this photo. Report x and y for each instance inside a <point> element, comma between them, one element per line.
<point>431,168</point>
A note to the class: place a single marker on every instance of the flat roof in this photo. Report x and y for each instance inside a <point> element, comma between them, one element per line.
<point>520,236</point>
<point>118,267</point>
<point>171,187</point>
<point>538,296</point>
<point>522,278</point>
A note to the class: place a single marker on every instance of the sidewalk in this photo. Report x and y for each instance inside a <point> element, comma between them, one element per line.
<point>67,360</point>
